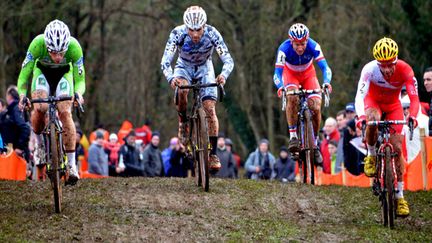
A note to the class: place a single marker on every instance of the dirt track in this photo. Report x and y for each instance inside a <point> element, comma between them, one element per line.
<point>144,209</point>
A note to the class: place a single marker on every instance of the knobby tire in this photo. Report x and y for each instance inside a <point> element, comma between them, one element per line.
<point>55,167</point>
<point>203,149</point>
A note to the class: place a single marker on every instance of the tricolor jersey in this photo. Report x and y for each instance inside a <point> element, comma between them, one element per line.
<point>195,54</point>
<point>288,58</point>
<point>372,84</point>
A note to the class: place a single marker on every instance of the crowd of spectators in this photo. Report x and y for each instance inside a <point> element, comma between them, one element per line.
<point>139,152</point>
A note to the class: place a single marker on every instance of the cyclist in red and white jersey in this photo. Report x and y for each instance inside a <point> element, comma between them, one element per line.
<point>378,92</point>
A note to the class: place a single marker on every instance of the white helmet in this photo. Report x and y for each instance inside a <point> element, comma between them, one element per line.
<point>194,17</point>
<point>57,36</point>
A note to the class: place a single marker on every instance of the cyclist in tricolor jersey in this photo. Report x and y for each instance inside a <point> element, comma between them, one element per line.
<point>378,92</point>
<point>294,68</point>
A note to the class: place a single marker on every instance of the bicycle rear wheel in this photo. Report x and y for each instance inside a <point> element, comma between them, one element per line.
<point>55,167</point>
<point>203,155</point>
<point>309,149</point>
<point>389,185</point>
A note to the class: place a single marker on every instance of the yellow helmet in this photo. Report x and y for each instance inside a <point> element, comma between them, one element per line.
<point>385,49</point>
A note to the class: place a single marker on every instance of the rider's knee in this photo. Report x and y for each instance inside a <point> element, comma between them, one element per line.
<point>210,106</point>
<point>315,105</point>
<point>372,115</point>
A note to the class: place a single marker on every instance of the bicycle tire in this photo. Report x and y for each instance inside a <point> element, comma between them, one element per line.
<point>194,135</point>
<point>203,143</point>
<point>55,162</point>
<point>309,148</point>
<point>389,185</point>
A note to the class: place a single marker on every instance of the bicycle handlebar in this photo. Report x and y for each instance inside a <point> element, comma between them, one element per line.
<point>198,86</point>
<point>386,122</point>
<point>50,99</point>
<point>300,92</point>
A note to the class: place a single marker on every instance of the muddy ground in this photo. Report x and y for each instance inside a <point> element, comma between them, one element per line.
<point>174,210</point>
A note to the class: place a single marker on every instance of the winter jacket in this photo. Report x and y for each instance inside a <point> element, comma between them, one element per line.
<point>13,127</point>
<point>265,161</point>
<point>285,169</point>
<point>152,160</point>
<point>129,157</point>
<point>98,160</point>
<point>228,164</point>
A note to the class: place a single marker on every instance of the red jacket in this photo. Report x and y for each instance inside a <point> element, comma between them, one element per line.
<point>324,150</point>
<point>112,150</point>
<point>144,133</point>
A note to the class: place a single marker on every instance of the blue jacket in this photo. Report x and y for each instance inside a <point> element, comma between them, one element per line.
<point>265,161</point>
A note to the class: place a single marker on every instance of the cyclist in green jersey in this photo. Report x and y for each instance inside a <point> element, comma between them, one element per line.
<point>55,46</point>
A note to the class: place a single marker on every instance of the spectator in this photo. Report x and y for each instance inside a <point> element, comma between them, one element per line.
<point>144,133</point>
<point>341,120</point>
<point>330,133</point>
<point>130,163</point>
<point>3,105</point>
<point>112,148</point>
<point>174,160</point>
<point>427,79</point>
<point>260,163</point>
<point>13,127</point>
<point>79,151</point>
<point>285,166</point>
<point>353,149</point>
<point>152,157</point>
<point>100,128</point>
<point>350,111</point>
<point>229,147</point>
<point>332,149</point>
<point>228,164</point>
<point>97,158</point>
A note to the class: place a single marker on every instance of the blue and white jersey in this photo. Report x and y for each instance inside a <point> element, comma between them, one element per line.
<point>195,54</point>
<point>286,56</point>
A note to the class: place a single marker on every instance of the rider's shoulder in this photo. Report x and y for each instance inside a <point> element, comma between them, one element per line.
<point>38,41</point>
<point>404,68</point>
<point>212,31</point>
<point>73,43</point>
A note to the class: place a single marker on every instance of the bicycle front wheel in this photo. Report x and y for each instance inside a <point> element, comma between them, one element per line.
<point>203,149</point>
<point>196,164</point>
<point>309,149</point>
<point>55,167</point>
<point>389,186</point>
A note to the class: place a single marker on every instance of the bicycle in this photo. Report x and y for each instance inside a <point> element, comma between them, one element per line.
<point>305,131</point>
<point>197,140</point>
<point>385,180</point>
<point>55,155</point>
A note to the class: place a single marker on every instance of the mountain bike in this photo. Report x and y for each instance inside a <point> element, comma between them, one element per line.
<point>305,131</point>
<point>385,181</point>
<point>55,156</point>
<point>197,141</point>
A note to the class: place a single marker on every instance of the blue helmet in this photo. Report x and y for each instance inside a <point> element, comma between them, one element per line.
<point>298,32</point>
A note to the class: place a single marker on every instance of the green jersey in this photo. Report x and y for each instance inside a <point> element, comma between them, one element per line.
<point>38,51</point>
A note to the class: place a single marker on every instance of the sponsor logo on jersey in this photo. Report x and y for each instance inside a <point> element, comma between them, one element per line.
<point>29,58</point>
<point>80,65</point>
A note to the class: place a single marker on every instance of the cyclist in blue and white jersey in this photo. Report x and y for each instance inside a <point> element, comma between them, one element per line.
<point>195,41</point>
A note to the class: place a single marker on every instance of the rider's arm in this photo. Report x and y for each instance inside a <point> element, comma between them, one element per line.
<point>78,66</point>
<point>222,50</point>
<point>170,50</point>
<point>279,65</point>
<point>33,52</point>
<point>411,87</point>
<point>322,64</point>
<point>362,90</point>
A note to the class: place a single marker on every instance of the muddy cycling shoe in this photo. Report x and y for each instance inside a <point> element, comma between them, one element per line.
<point>183,132</point>
<point>294,145</point>
<point>214,162</point>
<point>402,209</point>
<point>369,166</point>
<point>73,177</point>
<point>318,157</point>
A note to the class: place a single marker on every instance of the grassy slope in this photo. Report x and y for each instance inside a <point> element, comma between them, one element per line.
<point>175,210</point>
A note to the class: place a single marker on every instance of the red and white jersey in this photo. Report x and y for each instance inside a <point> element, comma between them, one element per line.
<point>373,85</point>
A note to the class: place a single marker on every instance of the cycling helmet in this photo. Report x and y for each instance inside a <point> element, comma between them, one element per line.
<point>57,36</point>
<point>385,50</point>
<point>298,32</point>
<point>194,17</point>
